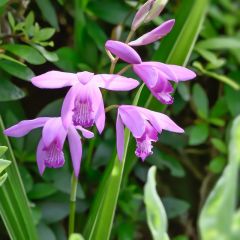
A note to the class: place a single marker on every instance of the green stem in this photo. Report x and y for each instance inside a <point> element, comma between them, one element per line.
<point>109,108</point>
<point>73,194</point>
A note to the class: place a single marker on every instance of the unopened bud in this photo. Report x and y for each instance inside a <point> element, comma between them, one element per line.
<point>148,11</point>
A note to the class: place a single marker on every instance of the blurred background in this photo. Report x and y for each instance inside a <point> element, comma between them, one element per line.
<point>42,35</point>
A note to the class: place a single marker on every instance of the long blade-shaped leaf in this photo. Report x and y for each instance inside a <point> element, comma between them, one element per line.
<point>156,214</point>
<point>14,207</point>
<point>101,217</point>
<point>217,219</point>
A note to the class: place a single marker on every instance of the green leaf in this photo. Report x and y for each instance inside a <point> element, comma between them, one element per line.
<point>41,190</point>
<point>44,34</point>
<point>68,59</point>
<point>175,207</point>
<point>198,134</point>
<point>11,20</point>
<point>48,12</point>
<point>50,56</point>
<point>217,164</point>
<point>219,145</point>
<point>110,11</point>
<point>219,43</point>
<point>3,149</point>
<point>156,215</point>
<point>25,52</point>
<point>232,96</point>
<point>3,3</point>
<point>76,236</point>
<point>200,101</point>
<point>14,206</point>
<point>9,91</point>
<point>216,220</point>
<point>97,34</point>
<point>16,70</point>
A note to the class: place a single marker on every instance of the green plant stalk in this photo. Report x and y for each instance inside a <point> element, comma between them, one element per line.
<point>73,194</point>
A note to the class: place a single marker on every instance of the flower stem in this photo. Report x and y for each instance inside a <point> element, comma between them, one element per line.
<point>109,108</point>
<point>73,193</point>
<point>124,69</point>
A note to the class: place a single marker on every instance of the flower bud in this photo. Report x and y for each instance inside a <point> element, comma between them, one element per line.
<point>148,11</point>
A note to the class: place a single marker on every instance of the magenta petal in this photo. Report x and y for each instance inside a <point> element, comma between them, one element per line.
<point>98,108</point>
<point>147,73</point>
<point>115,82</point>
<point>84,77</point>
<point>123,51</point>
<point>173,72</point>
<point>133,120</point>
<point>120,137</point>
<point>161,121</point>
<point>53,130</point>
<point>41,155</point>
<point>155,34</point>
<point>24,127</point>
<point>68,105</point>
<point>86,133</point>
<point>55,79</point>
<point>75,146</point>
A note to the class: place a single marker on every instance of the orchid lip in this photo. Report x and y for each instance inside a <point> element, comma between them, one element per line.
<point>54,156</point>
<point>83,113</point>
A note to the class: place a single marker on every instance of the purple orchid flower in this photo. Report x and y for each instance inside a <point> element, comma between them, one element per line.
<point>155,75</point>
<point>144,125</point>
<point>83,105</point>
<point>50,147</point>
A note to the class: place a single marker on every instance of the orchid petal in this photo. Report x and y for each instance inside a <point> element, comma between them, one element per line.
<point>120,137</point>
<point>24,127</point>
<point>41,155</point>
<point>53,130</point>
<point>147,73</point>
<point>123,51</point>
<point>173,72</point>
<point>84,77</point>
<point>154,35</point>
<point>160,121</point>
<point>133,120</point>
<point>55,79</point>
<point>86,133</point>
<point>75,146</point>
<point>98,108</point>
<point>68,105</point>
<point>115,82</point>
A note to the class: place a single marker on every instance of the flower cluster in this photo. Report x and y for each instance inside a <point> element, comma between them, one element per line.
<point>83,106</point>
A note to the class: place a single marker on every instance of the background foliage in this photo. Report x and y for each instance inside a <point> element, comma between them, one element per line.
<point>37,36</point>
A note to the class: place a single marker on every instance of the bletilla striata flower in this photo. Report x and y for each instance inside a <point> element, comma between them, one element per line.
<point>50,147</point>
<point>144,125</point>
<point>155,75</point>
<point>83,105</point>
